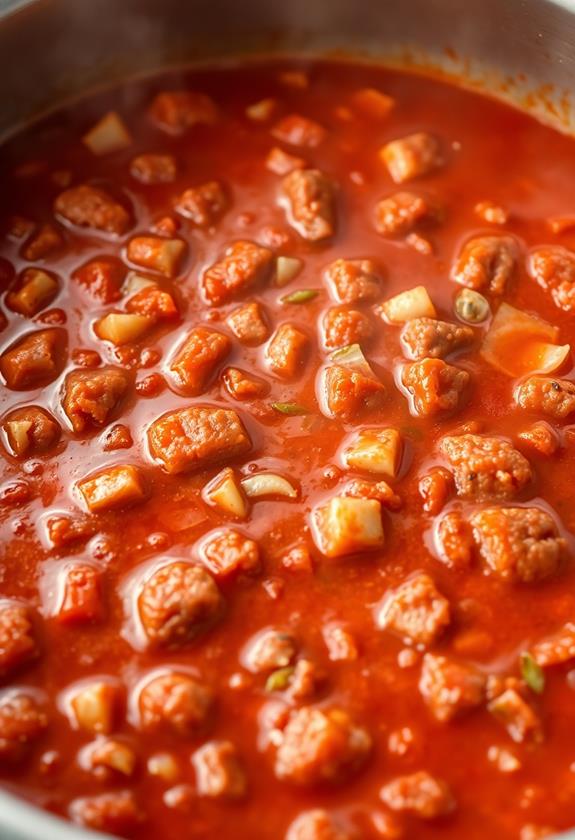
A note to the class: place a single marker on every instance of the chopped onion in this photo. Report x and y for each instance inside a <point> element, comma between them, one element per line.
<point>286,269</point>
<point>351,356</point>
<point>375,451</point>
<point>519,344</point>
<point>413,303</point>
<point>122,327</point>
<point>108,135</point>
<point>135,282</point>
<point>262,110</point>
<point>225,492</point>
<point>268,484</point>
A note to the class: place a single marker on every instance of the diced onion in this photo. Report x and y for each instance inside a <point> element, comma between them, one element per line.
<point>135,282</point>
<point>376,451</point>
<point>351,356</point>
<point>108,135</point>
<point>519,344</point>
<point>262,110</point>
<point>413,303</point>
<point>268,484</point>
<point>122,327</point>
<point>286,269</point>
<point>224,491</point>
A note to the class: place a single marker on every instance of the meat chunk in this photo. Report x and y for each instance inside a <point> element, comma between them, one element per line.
<point>412,156</point>
<point>455,540</point>
<point>557,648</point>
<point>228,552</point>
<point>282,163</point>
<point>81,595</point>
<point>112,488</point>
<point>219,771</point>
<point>319,825</point>
<point>34,360</point>
<point>485,467</point>
<point>18,644</point>
<point>434,386</point>
<point>347,525</point>
<point>30,430</point>
<point>153,169</point>
<point>553,268</point>
<point>353,281</point>
<point>450,688</point>
<point>310,203</point>
<point>93,397</point>
<point>321,745</point>
<point>242,386</point>
<point>435,488</point>
<point>518,544</point>
<point>190,438</point>
<point>243,266</point>
<point>175,703</point>
<point>153,303</point>
<point>486,263</point>
<point>518,717</point>
<point>420,794</point>
<point>349,393</point>
<point>176,111</point>
<point>287,351</point>
<point>428,338</point>
<point>196,360</point>
<point>179,601</point>
<point>35,290</point>
<point>541,437</point>
<point>22,722</point>
<point>157,253</point>
<point>359,488</point>
<point>299,131</point>
<point>94,208</point>
<point>102,278</point>
<point>401,213</point>
<point>115,813</point>
<point>341,327</point>
<point>416,611</point>
<point>248,324</point>
<point>269,650</point>
<point>202,205</point>
<point>47,240</point>
<point>545,395</point>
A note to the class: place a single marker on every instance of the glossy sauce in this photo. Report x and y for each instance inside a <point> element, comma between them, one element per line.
<point>491,152</point>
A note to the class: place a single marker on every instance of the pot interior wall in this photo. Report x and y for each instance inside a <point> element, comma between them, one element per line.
<point>55,49</point>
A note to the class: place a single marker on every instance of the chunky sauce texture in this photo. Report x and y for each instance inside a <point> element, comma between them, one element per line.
<point>284,555</point>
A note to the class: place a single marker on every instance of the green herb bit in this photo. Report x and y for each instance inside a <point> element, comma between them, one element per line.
<point>532,673</point>
<point>300,296</point>
<point>280,679</point>
<point>291,409</point>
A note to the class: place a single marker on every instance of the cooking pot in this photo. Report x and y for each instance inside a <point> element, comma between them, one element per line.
<point>55,50</point>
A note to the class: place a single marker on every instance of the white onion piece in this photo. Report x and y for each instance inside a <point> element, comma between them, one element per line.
<point>108,135</point>
<point>286,269</point>
<point>413,303</point>
<point>268,484</point>
<point>519,344</point>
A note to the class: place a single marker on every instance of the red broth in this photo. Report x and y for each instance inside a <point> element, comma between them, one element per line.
<point>255,585</point>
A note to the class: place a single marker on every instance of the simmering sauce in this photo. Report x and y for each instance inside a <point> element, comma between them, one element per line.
<point>287,456</point>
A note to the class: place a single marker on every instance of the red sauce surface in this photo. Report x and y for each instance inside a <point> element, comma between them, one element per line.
<point>487,779</point>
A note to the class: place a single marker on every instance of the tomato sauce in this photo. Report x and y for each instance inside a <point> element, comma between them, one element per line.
<point>410,684</point>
